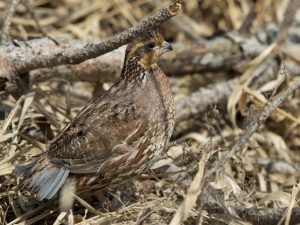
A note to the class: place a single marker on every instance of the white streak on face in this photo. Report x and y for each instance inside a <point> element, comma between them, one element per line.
<point>144,79</point>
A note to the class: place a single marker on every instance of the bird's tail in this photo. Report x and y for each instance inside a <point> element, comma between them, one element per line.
<point>20,169</point>
<point>42,178</point>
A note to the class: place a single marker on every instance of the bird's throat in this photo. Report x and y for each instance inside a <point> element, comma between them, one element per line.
<point>135,70</point>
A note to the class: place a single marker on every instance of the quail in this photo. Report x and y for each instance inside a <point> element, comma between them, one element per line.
<point>116,136</point>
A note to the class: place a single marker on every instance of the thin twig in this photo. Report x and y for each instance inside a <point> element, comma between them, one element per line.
<point>7,20</point>
<point>37,23</point>
<point>250,17</point>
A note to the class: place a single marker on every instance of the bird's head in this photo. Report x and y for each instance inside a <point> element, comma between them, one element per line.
<point>147,48</point>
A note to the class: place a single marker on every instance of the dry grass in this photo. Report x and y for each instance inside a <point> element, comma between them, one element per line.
<point>262,175</point>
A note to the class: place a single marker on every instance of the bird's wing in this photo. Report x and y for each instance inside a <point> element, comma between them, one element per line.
<point>92,137</point>
<point>102,136</point>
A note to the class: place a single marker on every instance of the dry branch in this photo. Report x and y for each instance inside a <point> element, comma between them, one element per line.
<point>241,142</point>
<point>267,216</point>
<point>221,53</point>
<point>39,53</point>
<point>105,68</point>
<point>261,216</point>
<point>200,100</point>
<point>256,216</point>
<point>185,59</point>
<point>226,52</point>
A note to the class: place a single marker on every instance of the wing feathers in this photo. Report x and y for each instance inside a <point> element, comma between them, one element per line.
<point>53,184</point>
<point>47,182</point>
<point>22,168</point>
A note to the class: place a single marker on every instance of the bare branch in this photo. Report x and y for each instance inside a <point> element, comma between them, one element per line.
<point>221,53</point>
<point>266,216</point>
<point>256,216</point>
<point>67,53</point>
<point>105,68</point>
<point>200,100</point>
<point>184,60</point>
<point>226,52</point>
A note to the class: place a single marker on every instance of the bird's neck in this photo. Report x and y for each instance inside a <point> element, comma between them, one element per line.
<point>134,70</point>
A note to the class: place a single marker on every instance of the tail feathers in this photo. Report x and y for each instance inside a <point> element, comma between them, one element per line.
<point>47,182</point>
<point>22,168</point>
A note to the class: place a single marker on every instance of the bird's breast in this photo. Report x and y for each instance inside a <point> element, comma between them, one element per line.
<point>154,108</point>
<point>159,109</point>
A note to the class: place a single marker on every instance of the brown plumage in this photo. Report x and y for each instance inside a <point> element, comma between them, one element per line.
<point>117,135</point>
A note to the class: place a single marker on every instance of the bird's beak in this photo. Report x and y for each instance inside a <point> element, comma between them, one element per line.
<point>166,47</point>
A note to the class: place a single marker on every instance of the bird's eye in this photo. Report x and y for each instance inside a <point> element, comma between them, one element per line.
<point>151,45</point>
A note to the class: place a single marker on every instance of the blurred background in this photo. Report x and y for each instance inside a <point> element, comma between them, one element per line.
<point>102,19</point>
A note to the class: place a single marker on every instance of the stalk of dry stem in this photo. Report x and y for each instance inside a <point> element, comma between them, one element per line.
<point>191,197</point>
<point>241,142</point>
